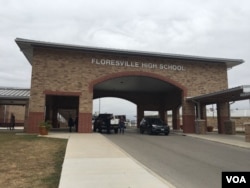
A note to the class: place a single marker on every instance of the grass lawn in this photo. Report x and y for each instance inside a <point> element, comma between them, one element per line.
<point>30,161</point>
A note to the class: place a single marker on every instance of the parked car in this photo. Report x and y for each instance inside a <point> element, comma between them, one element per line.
<point>106,122</point>
<point>153,125</point>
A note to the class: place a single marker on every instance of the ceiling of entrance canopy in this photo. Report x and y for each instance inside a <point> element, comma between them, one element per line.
<point>135,84</point>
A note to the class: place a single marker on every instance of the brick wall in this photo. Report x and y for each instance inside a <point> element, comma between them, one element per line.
<point>239,122</point>
<point>5,112</point>
<point>72,71</point>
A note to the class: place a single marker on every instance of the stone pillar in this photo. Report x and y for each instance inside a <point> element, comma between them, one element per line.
<point>203,112</point>
<point>166,117</point>
<point>200,126</point>
<point>85,112</point>
<point>229,127</point>
<point>162,115</point>
<point>34,120</point>
<point>85,123</point>
<point>188,117</point>
<point>176,118</point>
<point>247,132</point>
<point>222,116</point>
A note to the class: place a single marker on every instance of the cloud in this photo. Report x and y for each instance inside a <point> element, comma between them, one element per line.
<point>204,28</point>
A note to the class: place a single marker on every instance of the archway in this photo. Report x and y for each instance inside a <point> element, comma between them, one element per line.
<point>148,91</point>
<point>115,106</point>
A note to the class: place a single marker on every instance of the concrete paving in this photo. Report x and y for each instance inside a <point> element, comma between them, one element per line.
<point>91,160</point>
<point>233,140</point>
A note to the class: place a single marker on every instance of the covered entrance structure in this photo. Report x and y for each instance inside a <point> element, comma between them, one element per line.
<point>222,100</point>
<point>75,75</point>
<point>65,106</point>
<point>147,91</point>
<point>13,97</point>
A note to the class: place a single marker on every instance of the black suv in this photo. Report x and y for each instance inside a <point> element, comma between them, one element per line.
<point>153,125</point>
<point>103,122</point>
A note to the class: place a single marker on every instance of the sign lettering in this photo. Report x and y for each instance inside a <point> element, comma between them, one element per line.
<point>236,179</point>
<point>136,64</point>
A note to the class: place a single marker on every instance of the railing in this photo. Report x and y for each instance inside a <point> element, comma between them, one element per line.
<point>8,124</point>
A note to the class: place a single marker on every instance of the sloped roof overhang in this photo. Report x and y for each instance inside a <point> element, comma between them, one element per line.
<point>27,47</point>
<point>14,96</point>
<point>227,95</point>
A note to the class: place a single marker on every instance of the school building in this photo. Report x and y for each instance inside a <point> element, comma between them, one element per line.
<point>68,77</point>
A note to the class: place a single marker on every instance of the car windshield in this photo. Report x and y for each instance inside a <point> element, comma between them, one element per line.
<point>103,116</point>
<point>155,121</point>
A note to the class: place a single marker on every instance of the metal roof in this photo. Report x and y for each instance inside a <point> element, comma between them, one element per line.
<point>14,96</point>
<point>227,95</point>
<point>27,47</point>
<point>18,96</point>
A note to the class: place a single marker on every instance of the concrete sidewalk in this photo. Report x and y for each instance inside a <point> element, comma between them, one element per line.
<point>91,160</point>
<point>233,140</point>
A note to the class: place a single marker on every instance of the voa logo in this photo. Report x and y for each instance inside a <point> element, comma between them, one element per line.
<point>236,179</point>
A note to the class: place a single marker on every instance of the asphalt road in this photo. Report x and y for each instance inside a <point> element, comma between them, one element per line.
<point>181,160</point>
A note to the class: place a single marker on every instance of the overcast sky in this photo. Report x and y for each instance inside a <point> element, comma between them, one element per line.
<point>214,28</point>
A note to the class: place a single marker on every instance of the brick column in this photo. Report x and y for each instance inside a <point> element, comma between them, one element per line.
<point>85,112</point>
<point>34,120</point>
<point>222,116</point>
<point>247,132</point>
<point>162,115</point>
<point>203,113</point>
<point>229,127</point>
<point>188,117</point>
<point>176,118</point>
<point>200,126</point>
<point>85,123</point>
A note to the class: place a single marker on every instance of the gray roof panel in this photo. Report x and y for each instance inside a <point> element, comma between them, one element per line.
<point>14,96</point>
<point>15,93</point>
<point>227,95</point>
<point>27,46</point>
